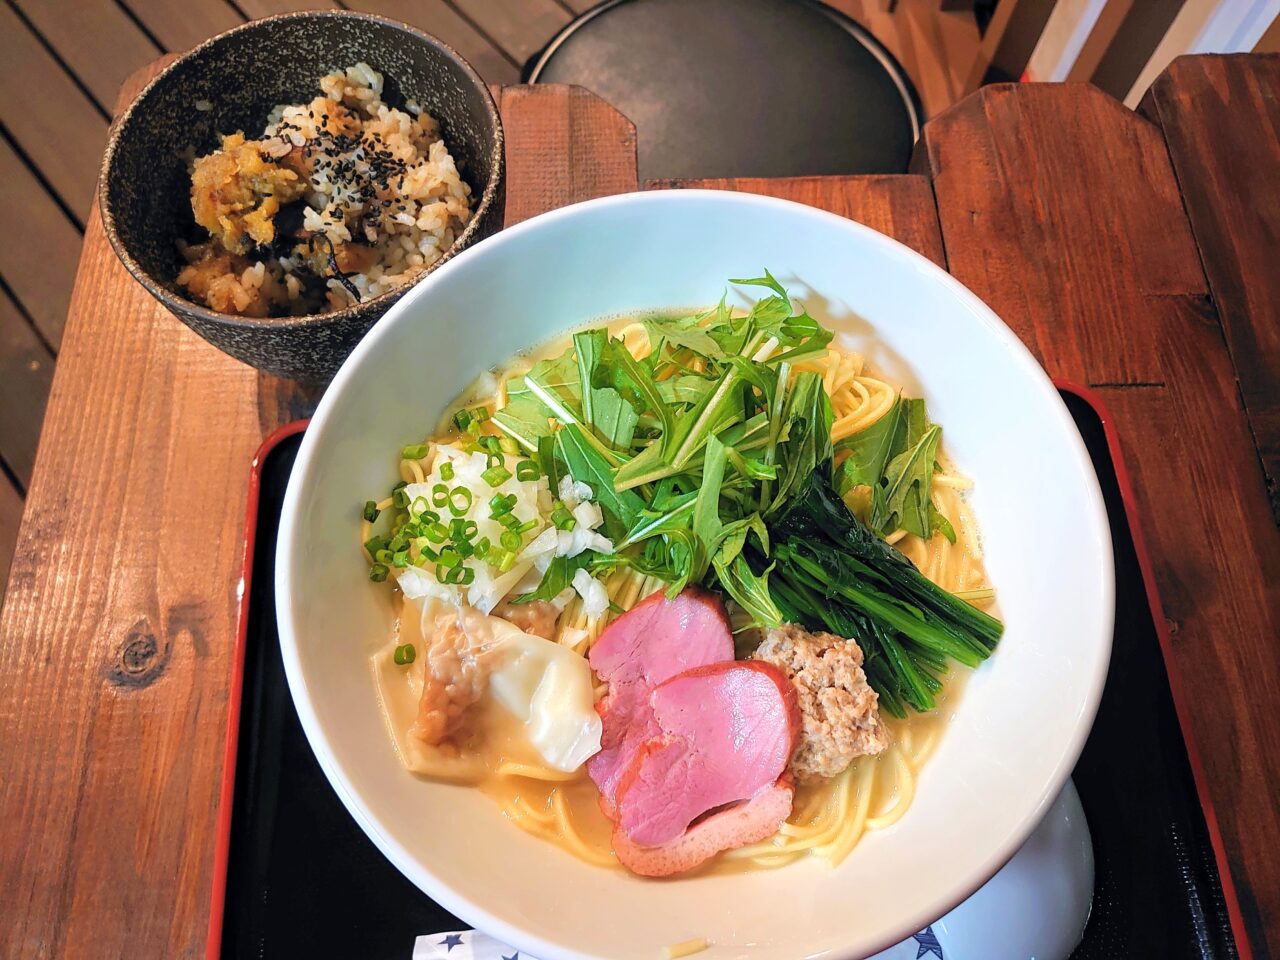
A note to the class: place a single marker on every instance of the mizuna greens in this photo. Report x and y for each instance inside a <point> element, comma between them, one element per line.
<point>711,460</point>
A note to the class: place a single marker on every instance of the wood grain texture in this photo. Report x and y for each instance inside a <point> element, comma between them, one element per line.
<point>898,206</point>
<point>180,26</point>
<point>26,370</point>
<point>1092,304</point>
<point>571,146</point>
<point>441,20</point>
<point>38,259</point>
<point>265,8</point>
<point>10,518</point>
<point>1060,209</point>
<point>519,27</point>
<point>47,115</point>
<point>123,617</point>
<point>1229,176</point>
<point>96,39</point>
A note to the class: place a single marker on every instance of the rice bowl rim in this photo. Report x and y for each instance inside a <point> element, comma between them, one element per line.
<point>119,128</point>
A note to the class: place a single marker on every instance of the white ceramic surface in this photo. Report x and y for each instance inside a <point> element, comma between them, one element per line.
<point>1035,908</point>
<point>1018,729</point>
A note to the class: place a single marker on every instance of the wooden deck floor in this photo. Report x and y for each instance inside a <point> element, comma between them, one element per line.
<point>62,61</point>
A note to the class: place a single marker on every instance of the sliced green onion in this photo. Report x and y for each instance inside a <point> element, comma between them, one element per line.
<point>511,540</point>
<point>501,504</point>
<point>506,561</point>
<point>526,470</point>
<point>439,495</point>
<point>400,498</point>
<point>460,576</point>
<point>415,451</point>
<point>371,510</point>
<point>378,572</point>
<point>462,419</point>
<point>460,501</point>
<point>446,470</point>
<point>509,445</point>
<point>479,414</point>
<point>374,544</point>
<point>401,559</point>
<point>492,444</point>
<point>405,654</point>
<point>418,507</point>
<point>463,529</point>
<point>428,516</point>
<point>481,548</point>
<point>383,556</point>
<point>437,533</point>
<point>526,526</point>
<point>398,542</point>
<point>562,519</point>
<point>449,557</point>
<point>496,476</point>
<point>425,554</point>
<point>509,520</point>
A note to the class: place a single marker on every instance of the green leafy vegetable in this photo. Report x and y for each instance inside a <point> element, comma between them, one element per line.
<point>559,577</point>
<point>870,451</point>
<point>896,457</point>
<point>832,572</point>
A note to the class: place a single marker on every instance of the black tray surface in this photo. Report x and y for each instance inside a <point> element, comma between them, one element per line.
<point>303,880</point>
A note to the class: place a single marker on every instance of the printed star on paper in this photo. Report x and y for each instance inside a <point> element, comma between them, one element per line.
<point>451,940</point>
<point>928,941</point>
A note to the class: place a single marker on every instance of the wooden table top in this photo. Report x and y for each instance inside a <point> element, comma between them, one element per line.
<point>1135,253</point>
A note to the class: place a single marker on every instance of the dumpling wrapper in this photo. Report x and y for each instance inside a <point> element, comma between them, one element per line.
<point>549,688</point>
<point>544,685</point>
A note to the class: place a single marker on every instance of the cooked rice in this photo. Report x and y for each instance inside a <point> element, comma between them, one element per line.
<point>342,185</point>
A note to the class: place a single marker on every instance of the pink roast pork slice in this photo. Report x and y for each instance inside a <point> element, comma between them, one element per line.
<point>728,730</point>
<point>735,826</point>
<point>652,642</point>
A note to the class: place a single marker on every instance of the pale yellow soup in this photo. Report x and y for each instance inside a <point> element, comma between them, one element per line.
<point>829,816</point>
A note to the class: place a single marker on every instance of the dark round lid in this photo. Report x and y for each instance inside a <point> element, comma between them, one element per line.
<point>739,88</point>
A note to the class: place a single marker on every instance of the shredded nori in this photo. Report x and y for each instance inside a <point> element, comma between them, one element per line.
<point>338,274</point>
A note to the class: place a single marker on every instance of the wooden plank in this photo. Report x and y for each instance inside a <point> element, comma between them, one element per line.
<point>1227,171</point>
<point>1136,38</point>
<point>1011,37</point>
<point>440,20</point>
<point>1269,42</point>
<point>1087,304</point>
<point>26,370</point>
<point>899,206</point>
<point>38,263</point>
<point>180,26</point>
<point>10,518</point>
<point>1100,39</point>
<point>519,27</point>
<point>921,28</point>
<point>48,116</point>
<point>96,39</point>
<point>569,146</point>
<point>266,8</point>
<point>136,603</point>
<point>1060,209</point>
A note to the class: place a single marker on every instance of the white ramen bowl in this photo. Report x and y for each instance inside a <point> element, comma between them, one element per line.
<point>1019,726</point>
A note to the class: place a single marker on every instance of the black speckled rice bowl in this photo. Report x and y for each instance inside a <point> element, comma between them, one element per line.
<point>144,188</point>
